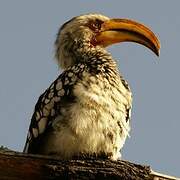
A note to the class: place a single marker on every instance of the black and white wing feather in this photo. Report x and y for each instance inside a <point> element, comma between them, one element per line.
<point>49,106</point>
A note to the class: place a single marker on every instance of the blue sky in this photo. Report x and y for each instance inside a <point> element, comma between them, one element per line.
<point>27,67</point>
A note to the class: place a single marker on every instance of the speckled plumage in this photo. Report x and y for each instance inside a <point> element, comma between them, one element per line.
<point>84,98</point>
<point>87,109</point>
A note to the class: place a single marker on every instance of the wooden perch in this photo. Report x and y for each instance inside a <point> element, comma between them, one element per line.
<point>19,166</point>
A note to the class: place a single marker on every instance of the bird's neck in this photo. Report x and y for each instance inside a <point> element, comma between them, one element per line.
<point>84,53</point>
<point>97,57</point>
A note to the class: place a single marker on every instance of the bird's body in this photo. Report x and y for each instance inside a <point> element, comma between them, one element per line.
<point>87,109</point>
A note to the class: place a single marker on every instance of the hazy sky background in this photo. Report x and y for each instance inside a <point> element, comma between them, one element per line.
<point>27,33</point>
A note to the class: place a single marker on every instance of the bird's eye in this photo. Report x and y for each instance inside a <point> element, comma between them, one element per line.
<point>96,25</point>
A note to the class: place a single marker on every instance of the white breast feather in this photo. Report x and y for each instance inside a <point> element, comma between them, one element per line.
<point>91,122</point>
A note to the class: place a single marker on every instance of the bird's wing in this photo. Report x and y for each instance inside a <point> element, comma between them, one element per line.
<point>49,105</point>
<point>128,105</point>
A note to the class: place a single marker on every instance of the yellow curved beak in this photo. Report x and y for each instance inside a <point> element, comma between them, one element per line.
<point>121,30</point>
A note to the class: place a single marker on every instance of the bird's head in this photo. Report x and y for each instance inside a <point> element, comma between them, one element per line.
<point>90,32</point>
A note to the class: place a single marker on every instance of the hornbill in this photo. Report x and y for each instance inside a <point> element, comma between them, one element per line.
<point>86,111</point>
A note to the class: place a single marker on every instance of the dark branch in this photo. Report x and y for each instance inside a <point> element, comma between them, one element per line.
<point>17,166</point>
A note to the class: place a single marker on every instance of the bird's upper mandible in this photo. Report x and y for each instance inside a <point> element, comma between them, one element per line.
<point>94,30</point>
